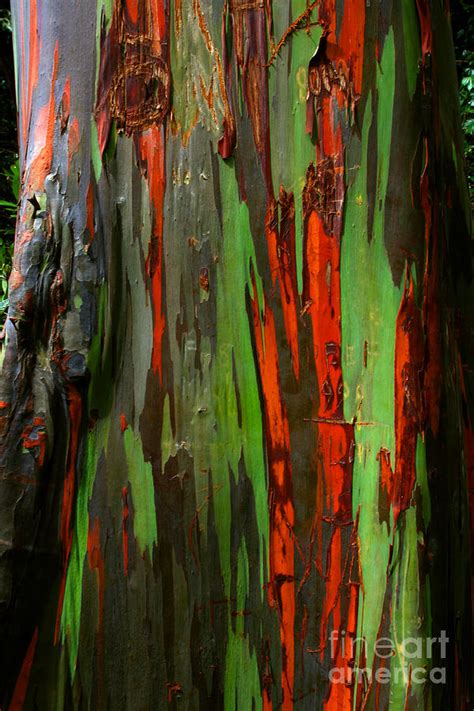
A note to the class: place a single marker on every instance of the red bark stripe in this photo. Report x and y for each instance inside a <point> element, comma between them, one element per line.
<point>424,14</point>
<point>408,396</point>
<point>323,199</point>
<point>281,589</point>
<point>345,43</point>
<point>152,160</point>
<point>21,687</point>
<point>351,40</point>
<point>323,292</point>
<point>159,23</point>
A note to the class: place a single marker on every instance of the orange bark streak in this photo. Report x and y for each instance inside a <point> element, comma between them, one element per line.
<point>346,42</point>
<point>151,151</point>
<point>43,137</point>
<point>322,255</point>
<point>281,591</point>
<point>324,195</point>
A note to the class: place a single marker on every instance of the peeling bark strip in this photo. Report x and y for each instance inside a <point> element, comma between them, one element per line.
<point>235,414</point>
<point>281,585</point>
<point>134,83</point>
<point>408,397</point>
<point>323,207</point>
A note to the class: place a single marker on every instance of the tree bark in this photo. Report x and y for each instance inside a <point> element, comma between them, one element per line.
<point>237,442</point>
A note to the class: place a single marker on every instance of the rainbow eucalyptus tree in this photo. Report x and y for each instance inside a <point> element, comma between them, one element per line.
<point>235,412</point>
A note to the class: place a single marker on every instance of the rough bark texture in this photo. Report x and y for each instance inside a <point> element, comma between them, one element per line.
<point>235,413</point>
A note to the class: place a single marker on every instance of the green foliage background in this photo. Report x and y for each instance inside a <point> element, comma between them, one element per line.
<point>462,17</point>
<point>9,170</point>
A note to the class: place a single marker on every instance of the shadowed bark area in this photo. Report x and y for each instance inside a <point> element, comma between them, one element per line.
<point>237,447</point>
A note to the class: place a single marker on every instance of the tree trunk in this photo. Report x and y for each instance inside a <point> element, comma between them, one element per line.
<point>236,430</point>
